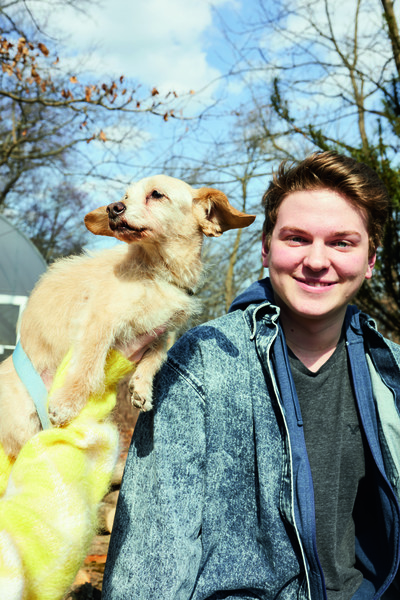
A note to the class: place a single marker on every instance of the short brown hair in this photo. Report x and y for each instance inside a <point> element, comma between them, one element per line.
<point>337,172</point>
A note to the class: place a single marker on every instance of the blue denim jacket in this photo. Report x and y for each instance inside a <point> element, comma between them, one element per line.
<point>217,501</point>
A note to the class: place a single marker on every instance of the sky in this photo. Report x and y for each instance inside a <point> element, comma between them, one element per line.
<point>173,44</point>
<point>180,45</point>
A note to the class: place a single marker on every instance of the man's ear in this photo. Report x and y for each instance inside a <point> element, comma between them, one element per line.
<point>371,264</point>
<point>214,213</point>
<point>264,251</point>
<point>97,222</point>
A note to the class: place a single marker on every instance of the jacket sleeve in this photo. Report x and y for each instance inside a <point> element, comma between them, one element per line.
<point>155,547</point>
<point>50,495</point>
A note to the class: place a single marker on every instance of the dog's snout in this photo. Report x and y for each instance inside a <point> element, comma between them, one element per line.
<point>116,209</point>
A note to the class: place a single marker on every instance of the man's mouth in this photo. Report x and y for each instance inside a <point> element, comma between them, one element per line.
<point>316,284</point>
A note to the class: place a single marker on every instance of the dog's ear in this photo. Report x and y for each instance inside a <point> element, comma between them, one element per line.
<point>97,222</point>
<point>214,213</point>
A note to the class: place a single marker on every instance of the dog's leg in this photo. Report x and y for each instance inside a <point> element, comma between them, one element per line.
<point>19,420</point>
<point>141,383</point>
<point>85,375</point>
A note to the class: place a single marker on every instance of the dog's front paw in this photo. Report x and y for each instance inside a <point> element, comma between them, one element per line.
<point>59,416</point>
<point>145,404</point>
<point>60,410</point>
<point>141,394</point>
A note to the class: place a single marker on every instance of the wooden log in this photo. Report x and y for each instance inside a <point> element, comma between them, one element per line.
<point>112,497</point>
<point>106,516</point>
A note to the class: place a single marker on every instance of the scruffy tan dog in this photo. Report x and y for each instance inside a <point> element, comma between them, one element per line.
<point>106,299</point>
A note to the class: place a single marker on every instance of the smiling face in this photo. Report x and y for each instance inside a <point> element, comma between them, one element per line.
<point>318,255</point>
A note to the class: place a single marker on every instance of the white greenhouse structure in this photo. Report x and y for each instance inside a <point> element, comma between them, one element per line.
<point>21,265</point>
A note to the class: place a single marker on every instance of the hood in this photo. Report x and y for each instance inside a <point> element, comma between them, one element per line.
<point>259,291</point>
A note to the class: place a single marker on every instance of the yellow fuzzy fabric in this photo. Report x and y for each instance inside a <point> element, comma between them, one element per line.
<point>50,495</point>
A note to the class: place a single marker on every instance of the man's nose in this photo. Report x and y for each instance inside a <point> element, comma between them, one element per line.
<point>317,257</point>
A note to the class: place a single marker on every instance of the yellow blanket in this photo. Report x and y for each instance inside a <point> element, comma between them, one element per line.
<point>50,495</point>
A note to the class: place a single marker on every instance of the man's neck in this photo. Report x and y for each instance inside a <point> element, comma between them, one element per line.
<point>312,341</point>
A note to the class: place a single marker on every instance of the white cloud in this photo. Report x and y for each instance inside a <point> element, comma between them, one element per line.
<point>151,41</point>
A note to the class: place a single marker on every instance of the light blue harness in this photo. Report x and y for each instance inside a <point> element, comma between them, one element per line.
<point>33,383</point>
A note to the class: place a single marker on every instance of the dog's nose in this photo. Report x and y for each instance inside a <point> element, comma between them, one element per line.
<point>115,209</point>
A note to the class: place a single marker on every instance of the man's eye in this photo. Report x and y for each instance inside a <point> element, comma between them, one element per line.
<point>296,239</point>
<point>342,244</point>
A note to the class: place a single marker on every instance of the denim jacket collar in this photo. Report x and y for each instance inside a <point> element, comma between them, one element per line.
<point>257,302</point>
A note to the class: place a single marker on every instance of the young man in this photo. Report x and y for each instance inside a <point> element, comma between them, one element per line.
<point>270,465</point>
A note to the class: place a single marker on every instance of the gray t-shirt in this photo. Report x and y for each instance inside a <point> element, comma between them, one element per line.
<point>335,449</point>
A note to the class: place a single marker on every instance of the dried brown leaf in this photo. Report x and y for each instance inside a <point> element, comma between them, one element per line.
<point>43,49</point>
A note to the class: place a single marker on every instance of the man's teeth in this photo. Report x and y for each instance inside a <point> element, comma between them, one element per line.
<point>317,284</point>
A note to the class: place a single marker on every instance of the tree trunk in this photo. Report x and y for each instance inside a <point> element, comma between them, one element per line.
<point>393,31</point>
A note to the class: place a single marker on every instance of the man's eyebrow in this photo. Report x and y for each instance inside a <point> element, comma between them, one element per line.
<point>347,233</point>
<point>293,229</point>
<point>288,228</point>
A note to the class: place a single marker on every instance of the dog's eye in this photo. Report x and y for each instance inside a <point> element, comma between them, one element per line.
<point>157,195</point>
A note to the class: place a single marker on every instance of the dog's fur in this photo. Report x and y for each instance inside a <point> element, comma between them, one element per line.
<point>94,302</point>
